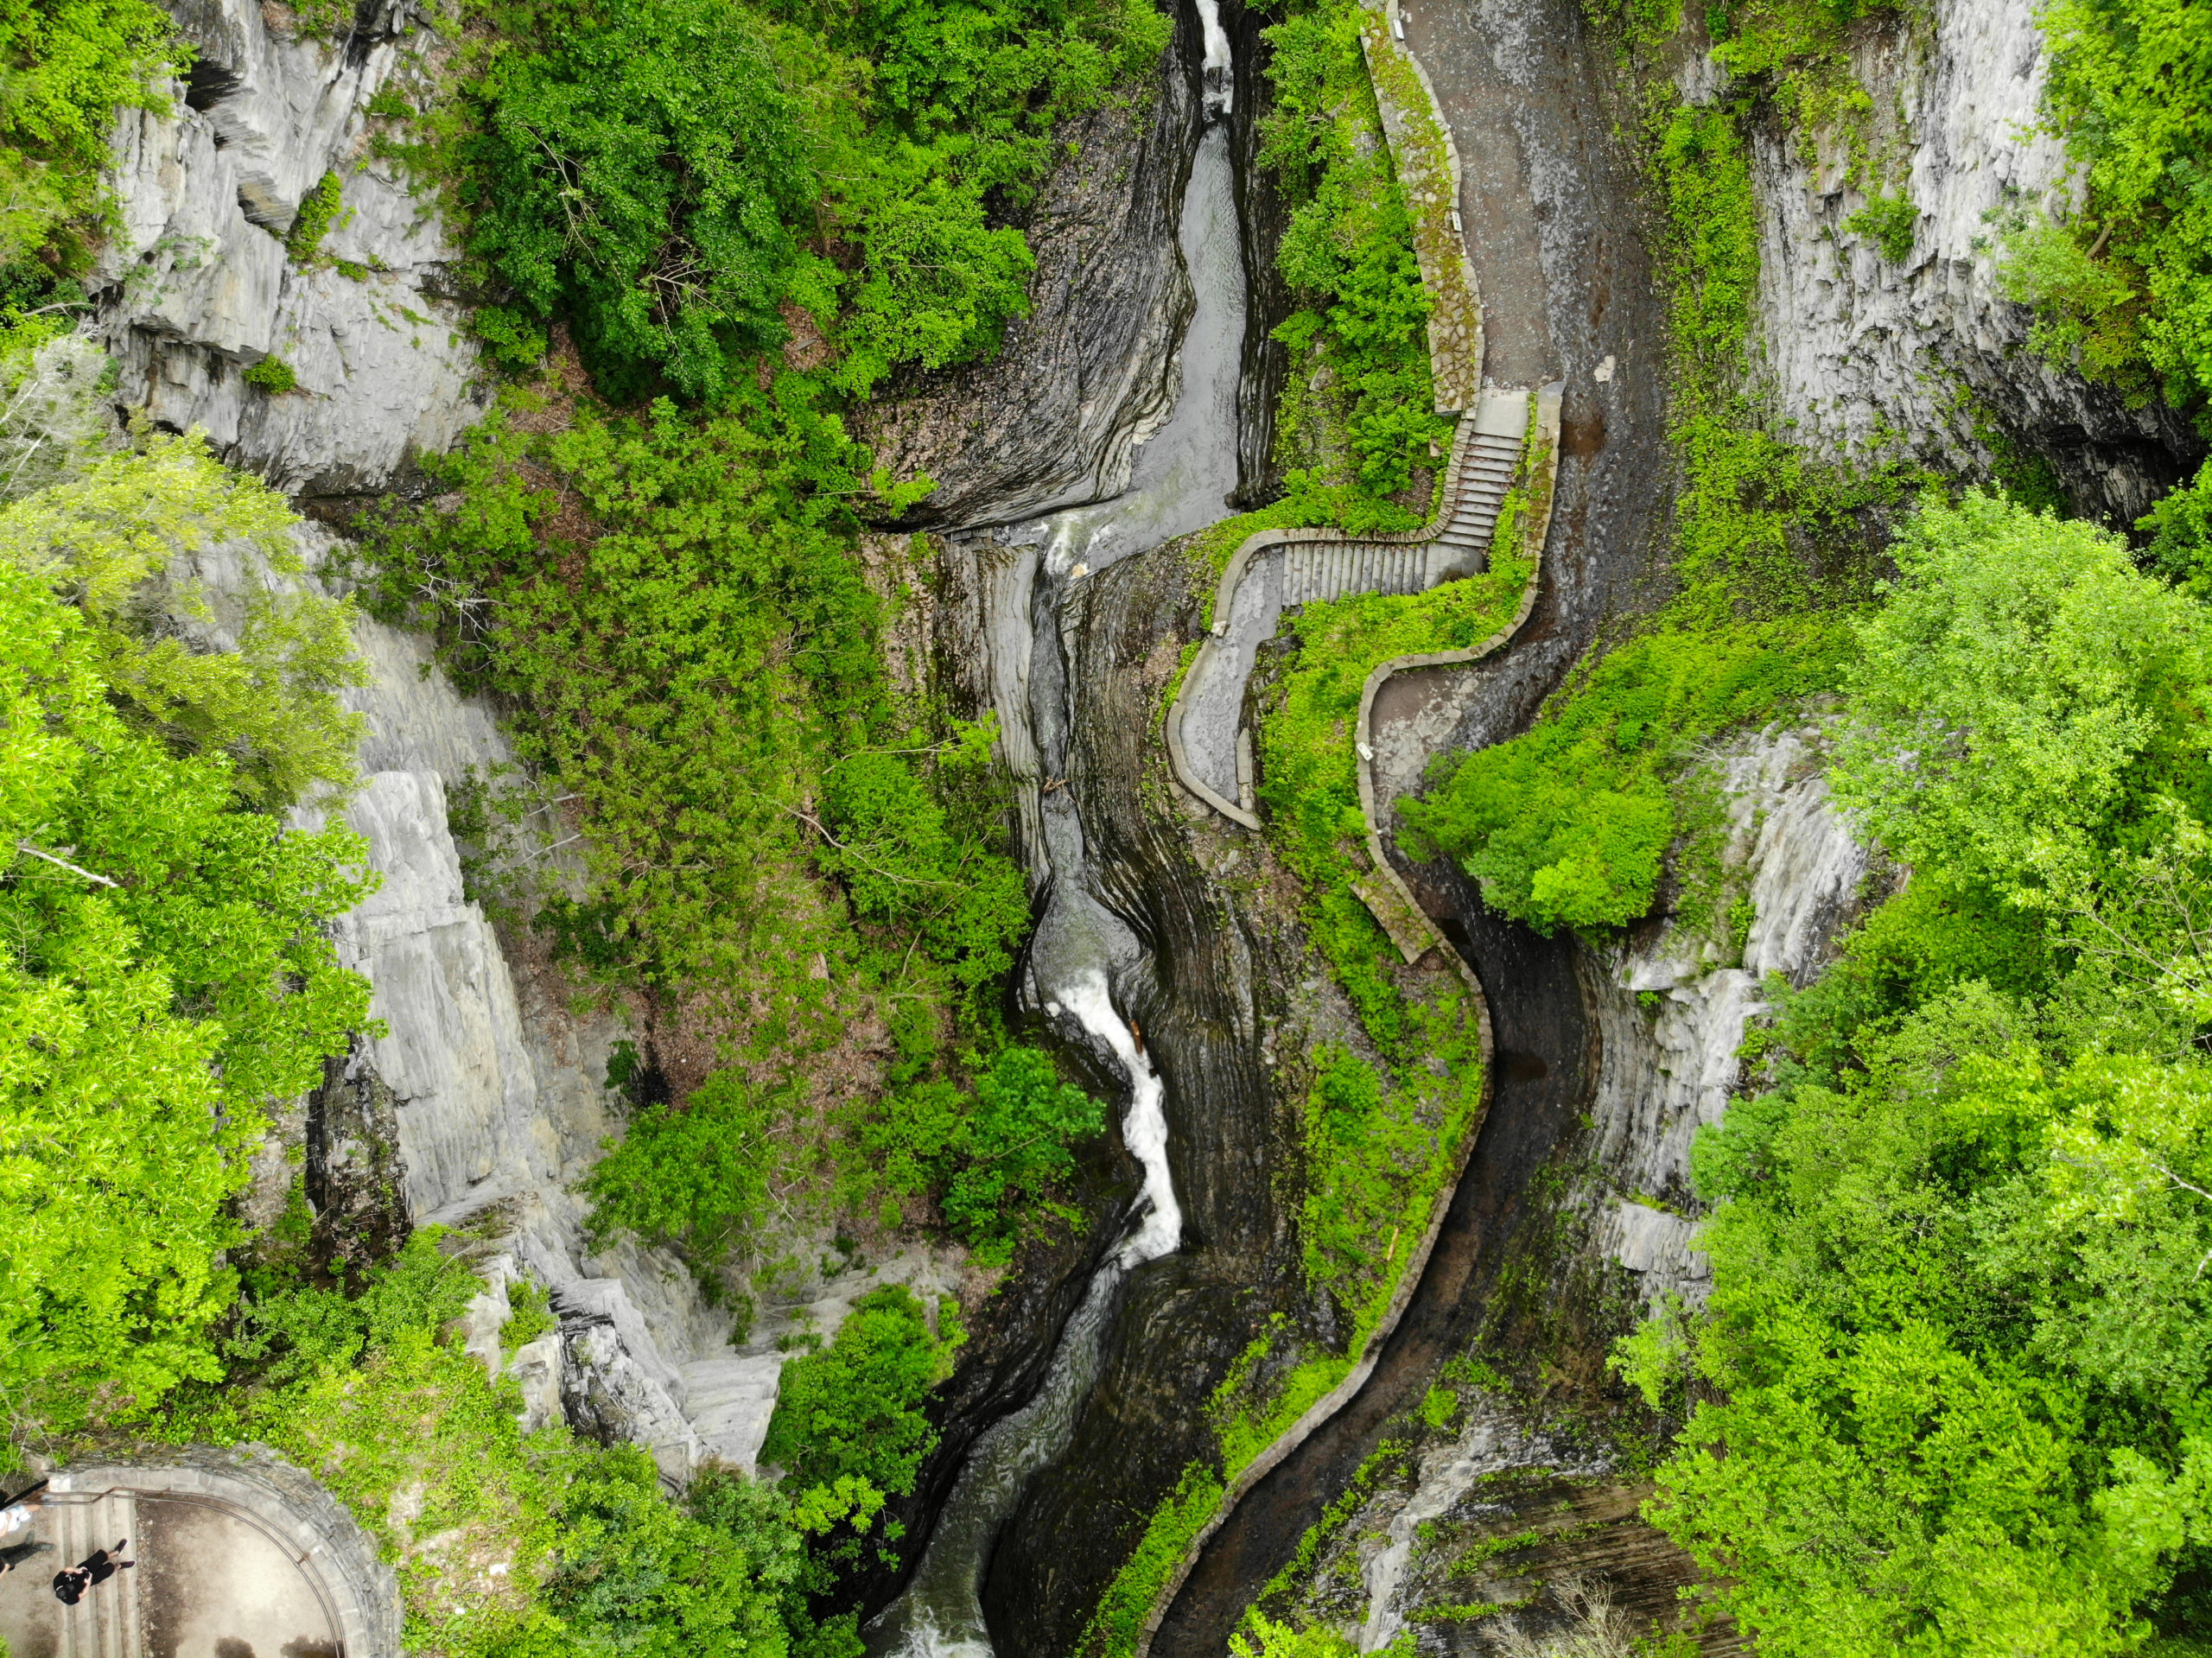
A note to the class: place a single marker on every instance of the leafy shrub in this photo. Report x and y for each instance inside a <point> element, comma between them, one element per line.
<point>1568,824</point>
<point>365,1386</point>
<point>318,212</point>
<point>670,177</point>
<point>904,864</point>
<point>1889,222</point>
<point>2126,289</point>
<point>70,63</point>
<point>1958,1333</point>
<point>273,375</point>
<point>636,170</point>
<point>165,975</point>
<point>696,647</point>
<point>1357,416</point>
<point>106,537</point>
<point>849,1426</point>
<point>989,1153</point>
<point>2180,527</point>
<point>2008,695</point>
<point>693,1175</point>
<point>528,1314</point>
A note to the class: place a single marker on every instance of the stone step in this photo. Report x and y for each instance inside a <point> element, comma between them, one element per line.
<point>108,1621</point>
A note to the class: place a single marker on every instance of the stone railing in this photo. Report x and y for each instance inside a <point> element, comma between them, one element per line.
<point>1505,440</point>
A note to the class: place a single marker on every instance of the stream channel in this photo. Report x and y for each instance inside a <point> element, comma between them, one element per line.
<point>1181,480</point>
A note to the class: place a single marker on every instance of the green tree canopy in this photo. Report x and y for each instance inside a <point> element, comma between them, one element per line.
<point>2018,693</point>
<point>162,983</point>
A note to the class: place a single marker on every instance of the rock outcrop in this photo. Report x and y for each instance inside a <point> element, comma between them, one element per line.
<point>198,286</point>
<point>1053,418</point>
<point>1672,1011</point>
<point>1859,346</point>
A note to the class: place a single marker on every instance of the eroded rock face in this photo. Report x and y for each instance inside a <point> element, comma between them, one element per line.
<point>356,1174</point>
<point>1858,345</point>
<point>198,288</point>
<point>1052,418</point>
<point>1672,1012</point>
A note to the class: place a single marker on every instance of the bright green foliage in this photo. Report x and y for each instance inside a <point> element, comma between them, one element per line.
<point>164,981</point>
<point>1568,824</point>
<point>1889,223</point>
<point>318,212</point>
<point>849,1426</point>
<point>1378,1144</point>
<point>674,176</point>
<point>988,1155</point>
<point>68,65</point>
<point>1362,1141</point>
<point>1015,1144</point>
<point>287,1329</point>
<point>2180,527</point>
<point>696,649</point>
<point>694,1175</point>
<point>273,375</point>
<point>51,417</point>
<point>1119,1622</point>
<point>638,1574</point>
<point>1310,776</point>
<point>635,171</point>
<point>1959,1342</point>
<point>1354,419</point>
<point>407,1429</point>
<point>954,117</point>
<point>106,538</point>
<point>2126,289</point>
<point>529,1315</point>
<point>908,866</point>
<point>1959,1336</point>
<point>1261,1637</point>
<point>2021,689</point>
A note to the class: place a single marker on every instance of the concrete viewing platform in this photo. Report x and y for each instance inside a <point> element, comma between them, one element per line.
<point>239,1555</point>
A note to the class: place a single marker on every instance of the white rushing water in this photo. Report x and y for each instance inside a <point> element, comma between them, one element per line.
<point>1215,70</point>
<point>1144,1125</point>
<point>1183,477</point>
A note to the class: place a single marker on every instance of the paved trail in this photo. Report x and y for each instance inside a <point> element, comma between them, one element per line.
<point>1548,204</point>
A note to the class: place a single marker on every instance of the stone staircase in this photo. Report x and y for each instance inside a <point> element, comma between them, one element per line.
<point>1485,463</point>
<point>107,1623</point>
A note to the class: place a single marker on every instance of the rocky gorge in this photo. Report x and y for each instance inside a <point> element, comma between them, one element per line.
<point>1173,962</point>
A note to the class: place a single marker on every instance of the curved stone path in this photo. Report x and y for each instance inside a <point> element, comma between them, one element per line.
<point>1510,437</point>
<point>1507,436</point>
<point>240,1555</point>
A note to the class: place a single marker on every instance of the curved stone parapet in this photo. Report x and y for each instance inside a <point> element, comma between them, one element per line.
<point>1506,438</point>
<point>1510,439</point>
<point>235,1548</point>
<point>1426,158</point>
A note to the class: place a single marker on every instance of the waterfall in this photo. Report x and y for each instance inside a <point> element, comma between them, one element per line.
<point>1181,481</point>
<point>1144,1125</point>
<point>1215,70</point>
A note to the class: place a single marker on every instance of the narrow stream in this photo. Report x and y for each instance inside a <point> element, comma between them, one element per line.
<point>1182,479</point>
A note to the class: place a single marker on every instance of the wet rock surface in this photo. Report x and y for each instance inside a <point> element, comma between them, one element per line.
<point>1858,345</point>
<point>1207,999</point>
<point>1054,417</point>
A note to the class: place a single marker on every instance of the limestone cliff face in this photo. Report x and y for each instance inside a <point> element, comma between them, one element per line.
<point>199,288</point>
<point>486,1099</point>
<point>1672,1010</point>
<point>1858,345</point>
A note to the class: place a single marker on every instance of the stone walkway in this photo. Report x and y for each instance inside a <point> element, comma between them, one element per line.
<point>1209,749</point>
<point>240,1555</point>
